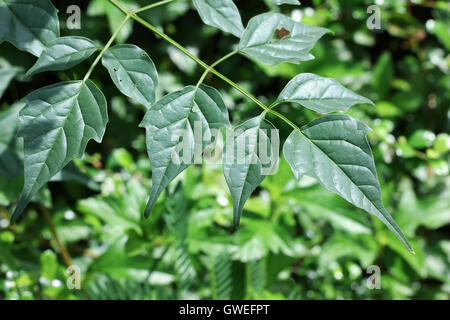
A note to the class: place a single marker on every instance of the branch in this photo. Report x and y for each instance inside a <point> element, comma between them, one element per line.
<point>208,68</point>
<point>62,248</point>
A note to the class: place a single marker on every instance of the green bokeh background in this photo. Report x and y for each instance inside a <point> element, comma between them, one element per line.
<point>296,240</point>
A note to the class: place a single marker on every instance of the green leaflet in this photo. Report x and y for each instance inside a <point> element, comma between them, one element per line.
<point>56,124</point>
<point>334,150</point>
<point>133,72</point>
<point>63,53</point>
<point>174,118</point>
<point>222,14</point>
<point>250,154</point>
<point>280,2</point>
<point>6,76</point>
<point>263,42</point>
<point>383,73</point>
<point>30,25</point>
<point>322,95</point>
<point>10,146</point>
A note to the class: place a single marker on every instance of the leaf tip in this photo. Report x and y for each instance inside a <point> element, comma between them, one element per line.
<point>370,102</point>
<point>237,221</point>
<point>15,216</point>
<point>149,208</point>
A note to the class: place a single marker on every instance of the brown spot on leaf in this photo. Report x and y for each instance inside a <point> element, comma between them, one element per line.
<point>281,33</point>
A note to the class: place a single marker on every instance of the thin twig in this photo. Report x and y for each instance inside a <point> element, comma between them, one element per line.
<point>62,248</point>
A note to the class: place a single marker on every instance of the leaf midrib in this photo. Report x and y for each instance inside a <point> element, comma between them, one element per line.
<point>248,168</point>
<point>25,26</point>
<point>351,180</point>
<point>129,75</point>
<point>61,127</point>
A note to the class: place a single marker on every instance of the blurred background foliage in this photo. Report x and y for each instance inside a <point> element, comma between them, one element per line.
<point>296,240</point>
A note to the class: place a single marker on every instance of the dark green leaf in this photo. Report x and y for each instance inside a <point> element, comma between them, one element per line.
<point>250,155</point>
<point>30,25</point>
<point>222,14</point>
<point>274,38</point>
<point>382,75</point>
<point>133,72</point>
<point>63,53</point>
<point>6,75</point>
<point>322,95</point>
<point>56,124</point>
<point>334,150</point>
<point>10,148</point>
<point>173,117</point>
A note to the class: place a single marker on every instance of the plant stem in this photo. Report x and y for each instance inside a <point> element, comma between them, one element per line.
<point>153,5</point>
<point>201,63</point>
<point>282,117</point>
<point>62,248</point>
<point>168,39</point>
<point>108,44</point>
<point>215,64</point>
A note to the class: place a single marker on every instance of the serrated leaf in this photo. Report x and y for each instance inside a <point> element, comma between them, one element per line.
<point>132,71</point>
<point>222,14</point>
<point>273,38</point>
<point>243,165</point>
<point>63,53</point>
<point>173,117</point>
<point>56,124</point>
<point>280,2</point>
<point>334,150</point>
<point>30,25</point>
<point>323,95</point>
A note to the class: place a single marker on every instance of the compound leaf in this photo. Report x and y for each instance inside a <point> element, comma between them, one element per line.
<point>30,25</point>
<point>132,71</point>
<point>250,154</point>
<point>323,95</point>
<point>174,118</point>
<point>222,14</point>
<point>334,150</point>
<point>56,124</point>
<point>274,38</point>
<point>63,53</point>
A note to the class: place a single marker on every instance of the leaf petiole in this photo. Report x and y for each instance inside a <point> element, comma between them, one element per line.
<point>153,5</point>
<point>108,44</point>
<point>215,64</point>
